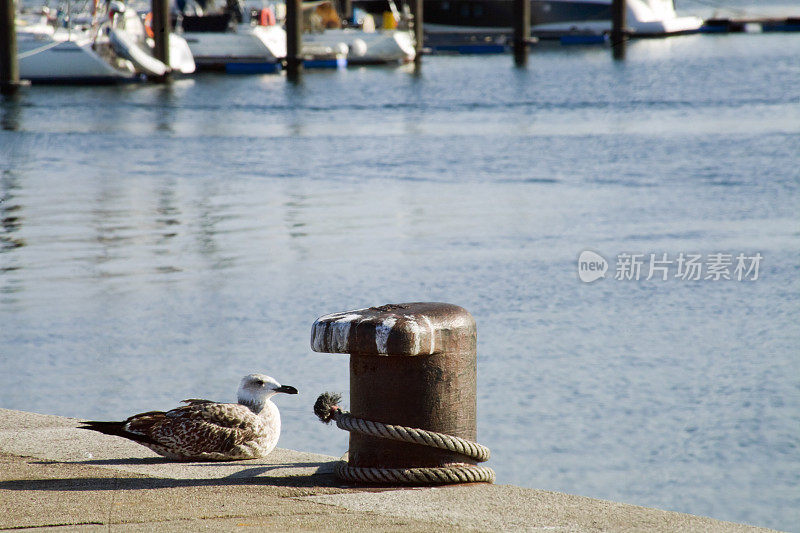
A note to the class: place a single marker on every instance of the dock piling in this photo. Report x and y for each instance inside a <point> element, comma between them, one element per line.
<point>294,39</point>
<point>9,65</point>
<point>419,36</point>
<point>411,365</point>
<point>522,31</point>
<point>161,29</point>
<point>345,8</point>
<point>619,30</point>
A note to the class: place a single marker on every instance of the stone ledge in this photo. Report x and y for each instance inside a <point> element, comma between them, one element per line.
<point>55,475</point>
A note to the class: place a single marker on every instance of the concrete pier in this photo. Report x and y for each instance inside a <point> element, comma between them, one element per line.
<point>55,475</point>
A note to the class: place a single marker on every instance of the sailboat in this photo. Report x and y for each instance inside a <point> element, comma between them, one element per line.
<point>94,48</point>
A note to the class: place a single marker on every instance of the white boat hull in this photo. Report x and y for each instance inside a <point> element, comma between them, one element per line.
<point>392,46</point>
<point>644,17</point>
<point>64,57</point>
<point>180,55</point>
<point>116,51</point>
<point>249,45</point>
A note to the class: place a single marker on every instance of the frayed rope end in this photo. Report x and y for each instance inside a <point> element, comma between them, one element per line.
<point>326,406</point>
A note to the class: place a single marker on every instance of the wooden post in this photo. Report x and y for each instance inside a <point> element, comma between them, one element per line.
<point>618,28</point>
<point>294,39</point>
<point>346,11</point>
<point>419,36</point>
<point>161,29</point>
<point>412,365</point>
<point>522,31</point>
<point>9,66</point>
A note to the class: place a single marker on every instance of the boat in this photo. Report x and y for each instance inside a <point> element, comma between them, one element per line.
<point>322,56</point>
<point>60,55</point>
<point>132,39</point>
<point>365,44</point>
<point>549,18</point>
<point>365,48</point>
<point>114,50</point>
<point>232,38</point>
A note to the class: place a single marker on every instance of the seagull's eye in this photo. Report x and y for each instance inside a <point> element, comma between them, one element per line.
<point>259,382</point>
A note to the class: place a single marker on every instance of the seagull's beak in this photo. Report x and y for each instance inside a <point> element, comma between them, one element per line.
<point>287,389</point>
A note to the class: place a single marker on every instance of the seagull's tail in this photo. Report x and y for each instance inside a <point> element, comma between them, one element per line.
<point>118,429</point>
<point>109,428</point>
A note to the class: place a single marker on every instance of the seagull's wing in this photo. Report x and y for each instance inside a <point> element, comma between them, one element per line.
<point>195,401</point>
<point>205,427</point>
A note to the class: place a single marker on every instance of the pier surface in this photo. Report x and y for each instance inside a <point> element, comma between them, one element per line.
<point>53,475</point>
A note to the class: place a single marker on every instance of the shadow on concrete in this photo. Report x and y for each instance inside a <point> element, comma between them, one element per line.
<point>128,461</point>
<point>111,483</point>
<point>251,476</point>
<point>209,465</point>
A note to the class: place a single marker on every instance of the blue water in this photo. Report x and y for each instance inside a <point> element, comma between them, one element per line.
<point>158,242</point>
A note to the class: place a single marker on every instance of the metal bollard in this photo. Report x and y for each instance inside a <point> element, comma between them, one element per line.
<point>413,365</point>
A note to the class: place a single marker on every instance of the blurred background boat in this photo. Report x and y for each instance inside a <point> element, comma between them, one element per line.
<point>105,46</point>
<point>548,17</point>
<point>231,37</point>
<point>367,43</point>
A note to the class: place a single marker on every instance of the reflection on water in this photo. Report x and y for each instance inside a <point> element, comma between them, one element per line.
<point>10,211</point>
<point>164,109</point>
<point>9,112</point>
<point>158,242</point>
<point>11,218</point>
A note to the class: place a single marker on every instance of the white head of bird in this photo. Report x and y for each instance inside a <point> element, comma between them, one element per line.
<point>255,390</point>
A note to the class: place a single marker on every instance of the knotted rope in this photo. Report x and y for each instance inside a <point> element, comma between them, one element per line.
<point>327,409</point>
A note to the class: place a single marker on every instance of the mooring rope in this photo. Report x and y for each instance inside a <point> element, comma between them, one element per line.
<point>416,476</point>
<point>473,450</point>
<point>39,50</point>
<point>327,409</point>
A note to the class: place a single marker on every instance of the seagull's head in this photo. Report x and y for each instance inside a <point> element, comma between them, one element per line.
<point>256,389</point>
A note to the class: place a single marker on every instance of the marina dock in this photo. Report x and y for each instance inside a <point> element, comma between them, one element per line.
<point>56,475</point>
<point>751,24</point>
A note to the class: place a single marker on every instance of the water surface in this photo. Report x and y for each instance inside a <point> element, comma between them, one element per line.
<point>158,242</point>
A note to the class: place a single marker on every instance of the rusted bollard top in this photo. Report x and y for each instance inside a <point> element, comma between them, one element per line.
<point>409,329</point>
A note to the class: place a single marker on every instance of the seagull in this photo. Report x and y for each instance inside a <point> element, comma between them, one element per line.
<point>204,430</point>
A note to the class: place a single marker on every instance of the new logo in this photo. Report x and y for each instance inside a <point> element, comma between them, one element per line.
<point>591,266</point>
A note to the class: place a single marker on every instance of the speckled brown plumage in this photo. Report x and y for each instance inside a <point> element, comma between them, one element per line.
<point>204,430</point>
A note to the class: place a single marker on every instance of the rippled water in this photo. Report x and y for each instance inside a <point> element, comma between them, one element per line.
<point>158,242</point>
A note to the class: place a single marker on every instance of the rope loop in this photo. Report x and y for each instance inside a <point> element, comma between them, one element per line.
<point>416,476</point>
<point>327,409</point>
<point>442,441</point>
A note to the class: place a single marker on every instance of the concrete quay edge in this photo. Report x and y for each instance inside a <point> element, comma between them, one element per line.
<point>55,477</point>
